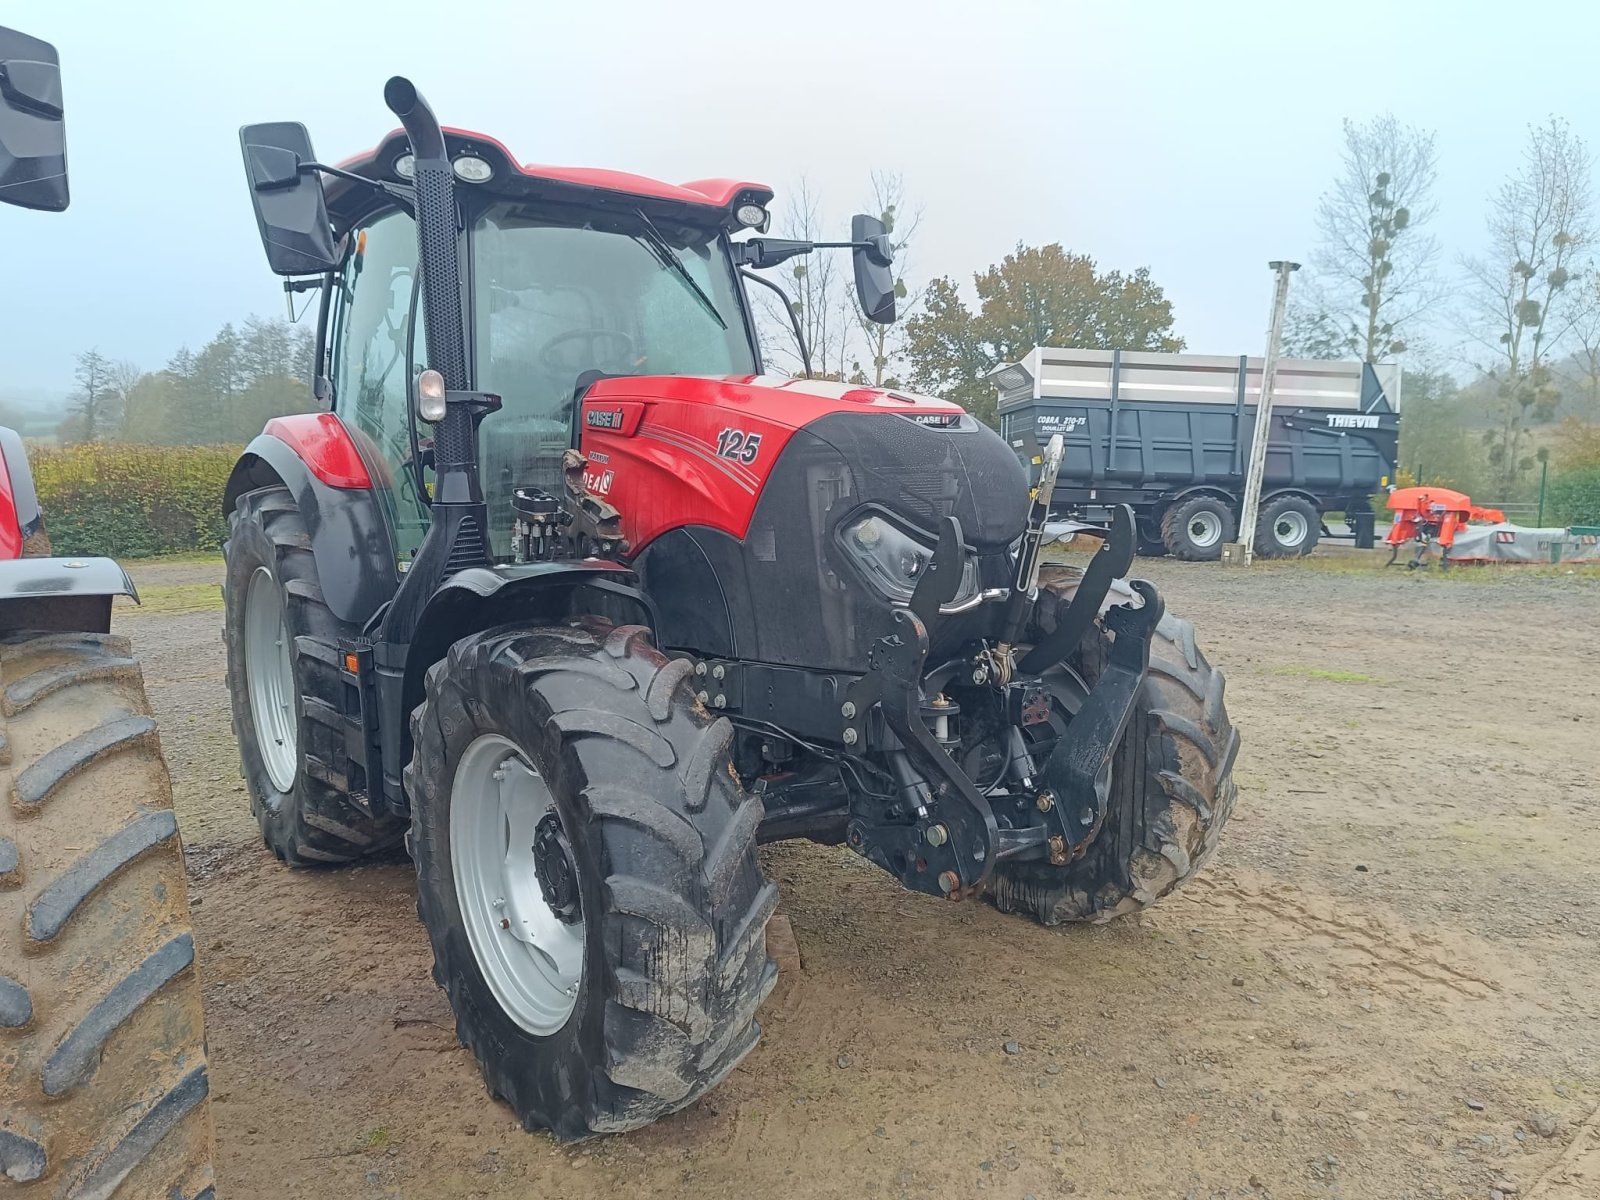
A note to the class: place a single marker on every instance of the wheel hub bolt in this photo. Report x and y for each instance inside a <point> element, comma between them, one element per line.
<point>847,709</point>
<point>850,736</point>
<point>937,835</point>
<point>703,697</point>
<point>717,672</point>
<point>949,881</point>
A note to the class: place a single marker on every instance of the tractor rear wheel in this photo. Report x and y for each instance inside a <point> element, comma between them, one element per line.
<point>1172,783</point>
<point>587,874</point>
<point>102,1034</point>
<point>283,680</point>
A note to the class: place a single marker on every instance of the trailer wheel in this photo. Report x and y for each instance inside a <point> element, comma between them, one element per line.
<point>283,681</point>
<point>1196,529</point>
<point>102,1034</point>
<point>1172,783</point>
<point>587,874</point>
<point>1288,526</point>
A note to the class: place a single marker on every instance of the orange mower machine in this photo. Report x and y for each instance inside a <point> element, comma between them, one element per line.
<point>1431,514</point>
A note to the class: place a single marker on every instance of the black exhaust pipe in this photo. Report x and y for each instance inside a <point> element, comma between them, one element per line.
<point>457,536</point>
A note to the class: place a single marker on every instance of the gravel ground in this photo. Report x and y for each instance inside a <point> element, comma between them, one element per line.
<point>1385,986</point>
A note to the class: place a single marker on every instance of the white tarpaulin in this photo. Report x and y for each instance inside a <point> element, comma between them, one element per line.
<point>1513,543</point>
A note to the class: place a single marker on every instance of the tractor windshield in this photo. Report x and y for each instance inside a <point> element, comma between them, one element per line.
<point>555,299</point>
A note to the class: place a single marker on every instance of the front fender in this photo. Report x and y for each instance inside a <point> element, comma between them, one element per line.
<point>350,539</point>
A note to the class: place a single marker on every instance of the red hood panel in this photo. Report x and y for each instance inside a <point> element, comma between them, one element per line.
<point>674,450</point>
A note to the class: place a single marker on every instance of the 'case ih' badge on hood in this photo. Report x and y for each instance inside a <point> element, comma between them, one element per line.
<point>604,418</point>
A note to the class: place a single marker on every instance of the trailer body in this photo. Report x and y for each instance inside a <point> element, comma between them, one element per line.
<point>1152,430</point>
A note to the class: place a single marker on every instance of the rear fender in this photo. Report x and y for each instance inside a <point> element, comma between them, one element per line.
<point>350,536</point>
<point>61,594</point>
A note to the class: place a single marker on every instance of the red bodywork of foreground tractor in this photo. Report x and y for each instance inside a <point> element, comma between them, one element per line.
<point>666,450</point>
<point>1433,514</point>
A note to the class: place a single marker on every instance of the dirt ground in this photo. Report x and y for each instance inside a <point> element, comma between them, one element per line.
<point>1387,985</point>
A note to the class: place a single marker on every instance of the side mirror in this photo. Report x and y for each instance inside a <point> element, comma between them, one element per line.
<point>874,259</point>
<point>291,211</point>
<point>33,139</point>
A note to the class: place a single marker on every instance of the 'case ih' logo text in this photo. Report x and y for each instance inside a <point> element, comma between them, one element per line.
<point>597,418</point>
<point>1352,420</point>
<point>939,420</point>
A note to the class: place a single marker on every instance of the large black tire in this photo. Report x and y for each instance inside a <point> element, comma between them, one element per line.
<point>103,1085</point>
<point>1196,529</point>
<point>1171,779</point>
<point>315,820</point>
<point>663,838</point>
<point>1289,526</point>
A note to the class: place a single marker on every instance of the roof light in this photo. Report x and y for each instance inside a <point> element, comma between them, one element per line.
<point>406,166</point>
<point>430,396</point>
<point>751,216</point>
<point>470,168</point>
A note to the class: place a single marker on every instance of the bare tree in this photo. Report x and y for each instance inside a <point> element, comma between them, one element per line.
<point>1583,365</point>
<point>881,345</point>
<point>1520,298</point>
<point>1375,270</point>
<point>97,404</point>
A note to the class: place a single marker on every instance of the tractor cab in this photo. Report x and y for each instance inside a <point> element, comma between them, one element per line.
<point>571,276</point>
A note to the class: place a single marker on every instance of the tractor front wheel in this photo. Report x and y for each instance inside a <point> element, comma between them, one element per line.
<point>1171,778</point>
<point>587,874</point>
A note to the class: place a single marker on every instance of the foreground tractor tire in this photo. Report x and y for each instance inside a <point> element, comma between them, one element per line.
<point>283,680</point>
<point>1196,529</point>
<point>1171,779</point>
<point>103,1089</point>
<point>587,874</point>
<point>1288,526</point>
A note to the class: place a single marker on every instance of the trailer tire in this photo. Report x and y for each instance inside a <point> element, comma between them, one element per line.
<point>305,811</point>
<point>1289,526</point>
<point>102,1032</point>
<point>1195,529</point>
<point>1172,786</point>
<point>668,964</point>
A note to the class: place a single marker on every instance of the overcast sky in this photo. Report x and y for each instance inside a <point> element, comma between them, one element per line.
<point>1189,137</point>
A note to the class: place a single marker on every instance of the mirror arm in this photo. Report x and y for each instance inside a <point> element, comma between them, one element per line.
<point>405,196</point>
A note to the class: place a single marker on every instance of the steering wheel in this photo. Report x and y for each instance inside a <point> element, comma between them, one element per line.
<point>627,359</point>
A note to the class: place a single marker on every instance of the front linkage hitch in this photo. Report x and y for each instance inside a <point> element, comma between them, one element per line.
<point>944,838</point>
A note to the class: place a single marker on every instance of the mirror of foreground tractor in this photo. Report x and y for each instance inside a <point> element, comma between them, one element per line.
<point>104,1091</point>
<point>570,596</point>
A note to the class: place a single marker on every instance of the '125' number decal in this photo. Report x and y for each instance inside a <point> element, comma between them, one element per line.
<point>737,444</point>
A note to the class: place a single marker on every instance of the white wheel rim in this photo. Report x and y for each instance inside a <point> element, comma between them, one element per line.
<point>269,676</point>
<point>1205,529</point>
<point>1290,529</point>
<point>531,959</point>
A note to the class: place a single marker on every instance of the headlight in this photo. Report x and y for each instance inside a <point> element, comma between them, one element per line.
<point>894,560</point>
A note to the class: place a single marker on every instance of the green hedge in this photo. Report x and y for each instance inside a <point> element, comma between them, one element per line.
<point>1574,497</point>
<point>132,501</point>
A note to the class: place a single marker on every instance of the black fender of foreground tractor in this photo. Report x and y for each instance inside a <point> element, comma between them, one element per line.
<point>349,535</point>
<point>67,594</point>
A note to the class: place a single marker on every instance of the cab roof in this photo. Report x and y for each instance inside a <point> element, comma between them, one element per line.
<point>701,201</point>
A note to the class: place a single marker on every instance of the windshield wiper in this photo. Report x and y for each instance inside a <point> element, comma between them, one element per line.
<point>668,257</point>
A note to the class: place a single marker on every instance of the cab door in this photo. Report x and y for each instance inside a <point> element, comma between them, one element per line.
<point>374,323</point>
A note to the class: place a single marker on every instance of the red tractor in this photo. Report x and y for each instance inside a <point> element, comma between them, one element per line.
<point>573,599</point>
<point>104,1089</point>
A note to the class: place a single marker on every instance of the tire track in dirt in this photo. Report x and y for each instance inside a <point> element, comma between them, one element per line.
<point>1576,1174</point>
<point>1384,956</point>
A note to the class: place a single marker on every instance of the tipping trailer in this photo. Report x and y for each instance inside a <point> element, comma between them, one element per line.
<point>1170,435</point>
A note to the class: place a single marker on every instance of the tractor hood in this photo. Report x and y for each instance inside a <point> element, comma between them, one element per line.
<point>792,403</point>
